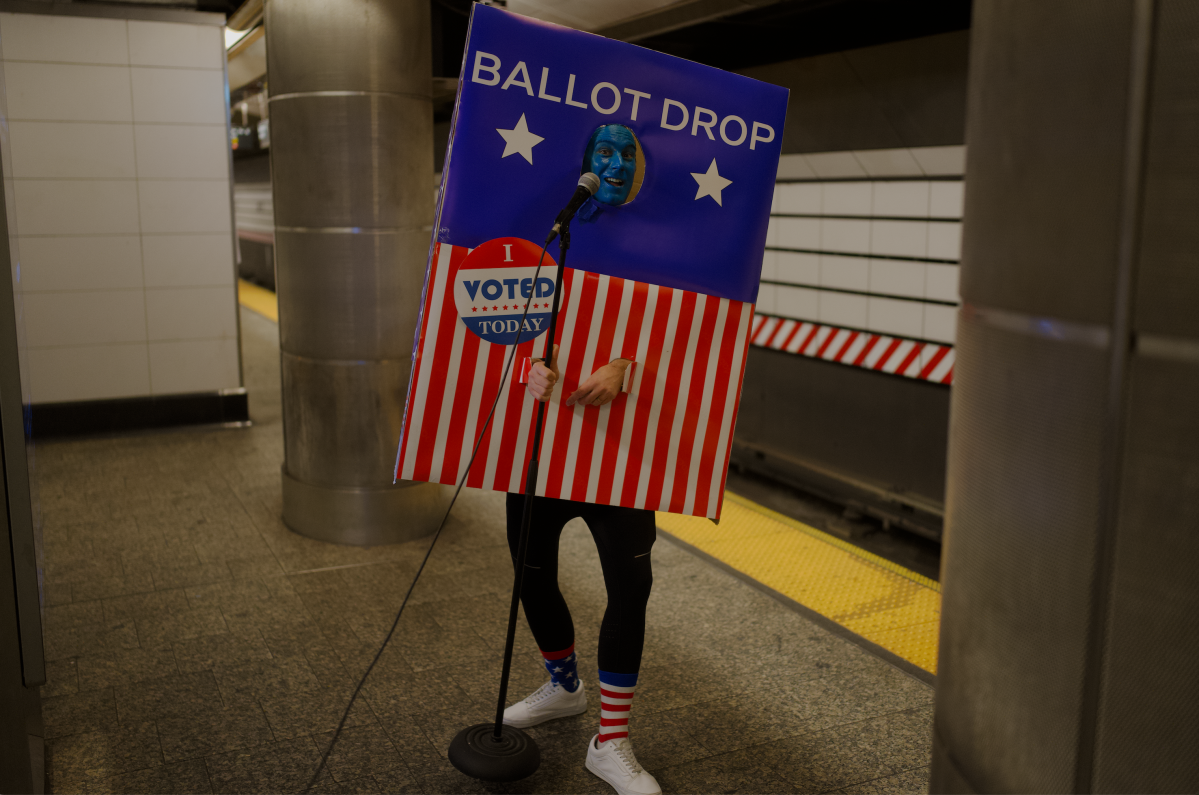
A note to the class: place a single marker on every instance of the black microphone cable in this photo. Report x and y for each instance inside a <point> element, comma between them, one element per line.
<point>503,379</point>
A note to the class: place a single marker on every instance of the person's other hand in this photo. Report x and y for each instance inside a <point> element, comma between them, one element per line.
<point>542,378</point>
<point>602,387</point>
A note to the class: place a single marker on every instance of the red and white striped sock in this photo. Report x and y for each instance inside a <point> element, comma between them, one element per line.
<point>616,702</point>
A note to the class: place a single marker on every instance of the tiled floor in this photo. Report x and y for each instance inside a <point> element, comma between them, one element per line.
<point>197,645</point>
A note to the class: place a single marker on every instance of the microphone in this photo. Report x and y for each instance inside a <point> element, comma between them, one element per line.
<point>588,184</point>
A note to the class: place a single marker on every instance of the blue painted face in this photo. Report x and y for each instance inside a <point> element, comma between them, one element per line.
<point>614,161</point>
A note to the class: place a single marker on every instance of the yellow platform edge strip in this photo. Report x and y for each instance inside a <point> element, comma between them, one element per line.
<point>258,299</point>
<point>880,601</point>
<point>837,542</point>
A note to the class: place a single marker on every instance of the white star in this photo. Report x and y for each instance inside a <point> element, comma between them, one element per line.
<point>557,670</point>
<point>520,140</point>
<point>710,183</point>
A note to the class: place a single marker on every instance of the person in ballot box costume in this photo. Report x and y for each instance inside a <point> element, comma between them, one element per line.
<point>623,536</point>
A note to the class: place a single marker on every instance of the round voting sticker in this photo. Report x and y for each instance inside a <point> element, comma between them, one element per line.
<point>494,283</point>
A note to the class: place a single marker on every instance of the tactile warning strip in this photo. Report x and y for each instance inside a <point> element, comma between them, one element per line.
<point>258,299</point>
<point>882,602</point>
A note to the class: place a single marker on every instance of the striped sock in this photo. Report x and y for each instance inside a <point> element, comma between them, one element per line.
<point>616,700</point>
<point>563,667</point>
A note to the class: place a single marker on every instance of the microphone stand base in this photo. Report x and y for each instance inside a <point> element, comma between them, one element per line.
<point>476,752</point>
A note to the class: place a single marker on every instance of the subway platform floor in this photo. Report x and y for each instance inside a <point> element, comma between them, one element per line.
<point>197,645</point>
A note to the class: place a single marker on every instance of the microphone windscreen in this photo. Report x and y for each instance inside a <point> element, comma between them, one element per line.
<point>589,181</point>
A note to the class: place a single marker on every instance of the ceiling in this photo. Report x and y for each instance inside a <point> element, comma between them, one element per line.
<point>730,34</point>
<point>791,29</point>
<point>627,20</point>
<point>589,14</point>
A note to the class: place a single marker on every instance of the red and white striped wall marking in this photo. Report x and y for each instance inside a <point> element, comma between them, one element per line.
<point>925,361</point>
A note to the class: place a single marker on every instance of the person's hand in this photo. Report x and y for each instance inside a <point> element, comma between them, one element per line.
<point>542,378</point>
<point>602,387</point>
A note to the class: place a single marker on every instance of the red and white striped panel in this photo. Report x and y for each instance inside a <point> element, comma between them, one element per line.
<point>664,445</point>
<point>926,361</point>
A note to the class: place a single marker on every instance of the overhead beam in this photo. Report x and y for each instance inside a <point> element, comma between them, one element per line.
<point>679,16</point>
<point>246,16</point>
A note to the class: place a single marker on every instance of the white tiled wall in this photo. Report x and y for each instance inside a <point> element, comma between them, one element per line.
<point>844,273</point>
<point>941,282</point>
<point>944,240</point>
<point>867,240</point>
<point>928,161</point>
<point>796,268</point>
<point>945,199</point>
<point>901,199</point>
<point>83,262</point>
<point>895,277</point>
<point>117,166</point>
<point>66,92</point>
<point>840,234</point>
<point>839,309</point>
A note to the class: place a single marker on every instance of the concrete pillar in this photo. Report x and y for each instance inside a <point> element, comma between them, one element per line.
<point>352,174</point>
<point>1070,635</point>
<point>22,655</point>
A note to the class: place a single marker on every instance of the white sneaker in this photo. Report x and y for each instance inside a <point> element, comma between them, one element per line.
<point>614,763</point>
<point>550,701</point>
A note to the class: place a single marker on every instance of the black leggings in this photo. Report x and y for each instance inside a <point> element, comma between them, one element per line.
<point>624,537</point>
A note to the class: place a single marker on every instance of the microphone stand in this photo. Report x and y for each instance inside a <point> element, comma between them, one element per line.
<point>495,751</point>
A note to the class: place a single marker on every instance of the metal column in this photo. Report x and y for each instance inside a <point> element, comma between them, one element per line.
<point>22,654</point>
<point>1069,654</point>
<point>352,174</point>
